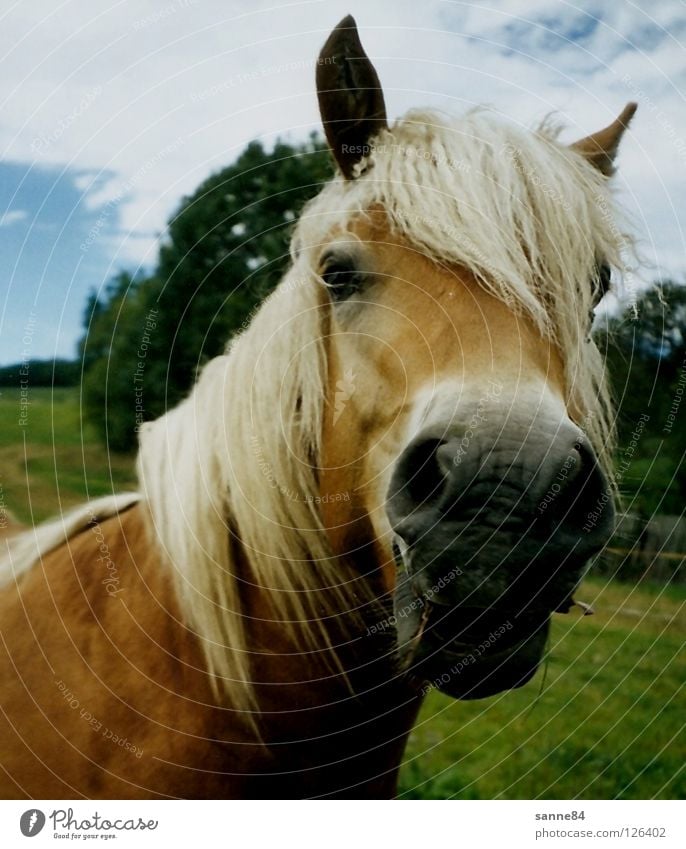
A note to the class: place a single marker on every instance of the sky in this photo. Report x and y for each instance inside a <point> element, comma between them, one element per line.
<point>113,111</point>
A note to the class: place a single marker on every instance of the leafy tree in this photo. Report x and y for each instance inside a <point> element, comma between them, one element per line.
<point>58,372</point>
<point>646,356</point>
<point>109,351</point>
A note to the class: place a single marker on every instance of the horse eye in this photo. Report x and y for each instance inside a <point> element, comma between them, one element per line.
<point>341,276</point>
<point>601,282</point>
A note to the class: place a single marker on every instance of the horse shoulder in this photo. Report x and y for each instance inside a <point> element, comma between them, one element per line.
<point>104,689</point>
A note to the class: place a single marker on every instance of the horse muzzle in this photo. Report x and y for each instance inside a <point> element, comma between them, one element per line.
<point>489,542</point>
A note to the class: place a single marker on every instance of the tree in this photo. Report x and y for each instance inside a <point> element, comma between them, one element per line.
<point>115,329</point>
<point>57,372</point>
<point>646,355</point>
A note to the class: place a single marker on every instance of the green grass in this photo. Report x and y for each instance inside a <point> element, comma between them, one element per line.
<point>49,459</point>
<point>603,719</point>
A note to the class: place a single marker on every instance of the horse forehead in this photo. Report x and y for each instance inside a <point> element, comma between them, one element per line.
<point>438,316</point>
<point>374,228</point>
<point>392,257</point>
<point>433,295</point>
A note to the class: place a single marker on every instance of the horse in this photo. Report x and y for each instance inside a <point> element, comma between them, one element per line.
<point>388,484</point>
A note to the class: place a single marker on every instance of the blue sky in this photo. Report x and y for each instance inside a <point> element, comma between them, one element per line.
<point>112,111</point>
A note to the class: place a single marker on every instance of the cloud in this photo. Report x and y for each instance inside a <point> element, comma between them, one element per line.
<point>13,216</point>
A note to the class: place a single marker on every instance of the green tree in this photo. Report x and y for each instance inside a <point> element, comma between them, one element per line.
<point>57,372</point>
<point>646,355</point>
<point>115,327</point>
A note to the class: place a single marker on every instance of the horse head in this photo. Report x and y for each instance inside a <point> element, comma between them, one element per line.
<point>467,421</point>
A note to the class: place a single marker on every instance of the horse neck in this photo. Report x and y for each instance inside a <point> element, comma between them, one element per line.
<point>339,719</point>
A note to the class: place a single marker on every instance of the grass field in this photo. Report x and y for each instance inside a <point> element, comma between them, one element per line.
<point>604,719</point>
<point>52,461</point>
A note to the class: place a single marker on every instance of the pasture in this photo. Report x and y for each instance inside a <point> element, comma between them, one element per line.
<point>603,718</point>
<point>53,459</point>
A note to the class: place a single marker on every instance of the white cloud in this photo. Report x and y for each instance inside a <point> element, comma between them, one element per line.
<point>13,216</point>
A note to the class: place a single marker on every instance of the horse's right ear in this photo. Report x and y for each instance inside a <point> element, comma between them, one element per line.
<point>601,148</point>
<point>350,97</point>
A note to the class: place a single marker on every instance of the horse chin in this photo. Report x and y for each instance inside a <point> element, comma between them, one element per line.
<point>476,670</point>
<point>469,653</point>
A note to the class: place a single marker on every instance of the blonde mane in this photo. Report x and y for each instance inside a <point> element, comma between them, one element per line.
<point>229,476</point>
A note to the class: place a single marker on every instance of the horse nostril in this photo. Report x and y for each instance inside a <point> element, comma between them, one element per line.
<point>571,470</point>
<point>548,483</point>
<point>578,484</point>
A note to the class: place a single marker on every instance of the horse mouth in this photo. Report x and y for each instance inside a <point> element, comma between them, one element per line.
<point>480,631</point>
<point>472,653</point>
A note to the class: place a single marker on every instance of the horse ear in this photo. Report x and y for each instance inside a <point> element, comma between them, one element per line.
<point>601,148</point>
<point>350,98</point>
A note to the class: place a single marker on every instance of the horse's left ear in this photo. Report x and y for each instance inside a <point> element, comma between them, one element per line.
<point>350,97</point>
<point>601,148</point>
